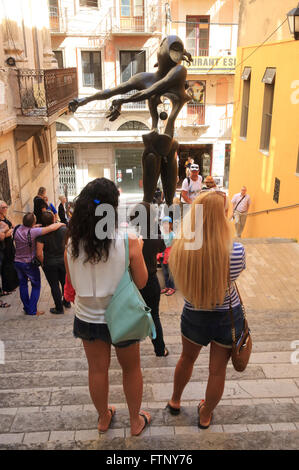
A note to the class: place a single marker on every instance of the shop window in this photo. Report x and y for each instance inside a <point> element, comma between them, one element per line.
<point>5,194</point>
<point>245,101</point>
<point>197,35</point>
<point>91,69</point>
<point>269,81</point>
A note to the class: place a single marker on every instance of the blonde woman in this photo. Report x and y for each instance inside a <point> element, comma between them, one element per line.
<point>203,276</point>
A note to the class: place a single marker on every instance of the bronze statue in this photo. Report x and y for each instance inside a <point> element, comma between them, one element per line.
<point>159,156</point>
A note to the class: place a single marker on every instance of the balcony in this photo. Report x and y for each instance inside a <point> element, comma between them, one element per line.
<point>46,92</point>
<point>191,115</point>
<point>149,23</point>
<point>136,106</point>
<point>58,21</point>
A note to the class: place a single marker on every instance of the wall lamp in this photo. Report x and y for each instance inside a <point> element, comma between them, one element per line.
<point>293,18</point>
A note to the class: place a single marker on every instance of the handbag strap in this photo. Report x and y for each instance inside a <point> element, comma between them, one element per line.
<point>127,255</point>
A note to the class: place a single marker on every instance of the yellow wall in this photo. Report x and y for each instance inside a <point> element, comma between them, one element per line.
<point>249,166</point>
<point>260,18</point>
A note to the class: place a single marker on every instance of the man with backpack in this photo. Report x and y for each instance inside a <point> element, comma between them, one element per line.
<point>192,185</point>
<point>241,202</point>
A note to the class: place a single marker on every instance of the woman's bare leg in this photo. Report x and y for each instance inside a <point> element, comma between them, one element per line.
<point>129,359</point>
<point>219,357</point>
<point>98,355</point>
<point>183,370</point>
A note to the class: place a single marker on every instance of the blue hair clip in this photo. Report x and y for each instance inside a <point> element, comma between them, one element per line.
<point>97,201</point>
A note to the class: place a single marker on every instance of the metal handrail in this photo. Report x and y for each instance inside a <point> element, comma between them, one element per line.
<point>274,209</point>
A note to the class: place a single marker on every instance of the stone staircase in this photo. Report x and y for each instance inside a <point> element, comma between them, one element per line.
<point>44,396</point>
<point>45,402</point>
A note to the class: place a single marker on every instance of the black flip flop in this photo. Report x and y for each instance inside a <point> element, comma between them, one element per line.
<point>146,423</point>
<point>4,305</point>
<point>112,411</point>
<point>173,411</point>
<point>198,423</point>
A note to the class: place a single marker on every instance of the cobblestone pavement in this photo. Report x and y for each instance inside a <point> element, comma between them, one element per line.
<point>44,398</point>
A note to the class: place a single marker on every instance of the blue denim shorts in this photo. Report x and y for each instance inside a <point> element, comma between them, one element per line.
<point>93,331</point>
<point>202,327</point>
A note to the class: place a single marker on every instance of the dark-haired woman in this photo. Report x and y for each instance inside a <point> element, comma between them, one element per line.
<point>95,264</point>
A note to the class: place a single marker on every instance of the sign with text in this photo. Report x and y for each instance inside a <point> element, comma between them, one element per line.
<point>208,64</point>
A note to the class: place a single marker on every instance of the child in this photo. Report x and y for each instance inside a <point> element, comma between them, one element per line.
<point>168,236</point>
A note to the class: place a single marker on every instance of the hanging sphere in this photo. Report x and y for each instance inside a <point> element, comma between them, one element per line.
<point>163,116</point>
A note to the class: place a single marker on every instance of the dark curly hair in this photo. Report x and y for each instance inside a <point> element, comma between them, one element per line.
<point>82,226</point>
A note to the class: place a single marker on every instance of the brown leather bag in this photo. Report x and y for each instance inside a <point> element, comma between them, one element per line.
<point>242,348</point>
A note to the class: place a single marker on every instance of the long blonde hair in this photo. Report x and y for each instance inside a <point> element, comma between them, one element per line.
<point>201,274</point>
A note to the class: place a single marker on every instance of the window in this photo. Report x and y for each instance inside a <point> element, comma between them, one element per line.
<point>131,62</point>
<point>61,127</point>
<point>59,58</point>
<point>269,81</point>
<point>196,107</point>
<point>245,101</point>
<point>89,3</point>
<point>131,8</point>
<point>67,171</point>
<point>91,69</point>
<point>197,35</point>
<point>133,125</point>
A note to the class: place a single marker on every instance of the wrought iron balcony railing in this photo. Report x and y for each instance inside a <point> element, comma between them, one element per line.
<point>44,92</point>
<point>150,21</point>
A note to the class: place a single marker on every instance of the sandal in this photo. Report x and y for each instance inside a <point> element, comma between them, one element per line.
<point>112,412</point>
<point>147,420</point>
<point>164,291</point>
<point>170,291</point>
<point>4,292</point>
<point>4,305</point>
<point>201,426</point>
<point>173,411</point>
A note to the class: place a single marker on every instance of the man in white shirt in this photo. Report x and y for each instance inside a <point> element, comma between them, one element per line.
<point>241,202</point>
<point>191,186</point>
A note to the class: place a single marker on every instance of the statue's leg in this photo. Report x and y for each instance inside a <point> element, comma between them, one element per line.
<point>151,164</point>
<point>169,172</point>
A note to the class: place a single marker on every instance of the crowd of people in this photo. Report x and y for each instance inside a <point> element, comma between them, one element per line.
<point>83,268</point>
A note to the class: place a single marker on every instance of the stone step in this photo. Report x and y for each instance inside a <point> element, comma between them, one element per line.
<point>68,389</point>
<point>79,363</point>
<point>244,418</point>
<point>38,352</point>
<point>237,439</point>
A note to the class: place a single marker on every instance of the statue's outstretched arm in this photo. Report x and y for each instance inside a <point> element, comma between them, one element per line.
<point>134,82</point>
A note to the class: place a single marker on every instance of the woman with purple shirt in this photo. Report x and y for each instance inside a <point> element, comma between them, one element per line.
<point>25,236</point>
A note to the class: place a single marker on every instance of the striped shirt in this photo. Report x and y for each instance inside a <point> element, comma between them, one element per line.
<point>237,264</point>
<point>244,204</point>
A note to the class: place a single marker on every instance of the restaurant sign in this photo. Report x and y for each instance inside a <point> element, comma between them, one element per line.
<point>211,65</point>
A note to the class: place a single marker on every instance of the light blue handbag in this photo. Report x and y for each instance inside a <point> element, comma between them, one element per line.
<point>127,315</point>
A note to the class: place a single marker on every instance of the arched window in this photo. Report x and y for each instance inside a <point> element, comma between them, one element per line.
<point>133,126</point>
<point>60,127</point>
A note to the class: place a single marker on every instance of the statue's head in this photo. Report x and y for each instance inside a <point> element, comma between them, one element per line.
<point>172,50</point>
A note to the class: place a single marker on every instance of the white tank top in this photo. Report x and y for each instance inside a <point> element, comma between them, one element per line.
<point>95,284</point>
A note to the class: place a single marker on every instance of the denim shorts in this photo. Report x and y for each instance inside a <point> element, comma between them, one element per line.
<point>201,327</point>
<point>93,331</point>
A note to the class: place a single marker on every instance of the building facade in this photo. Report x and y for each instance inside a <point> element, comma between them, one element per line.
<point>265,133</point>
<point>33,94</point>
<point>109,42</point>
